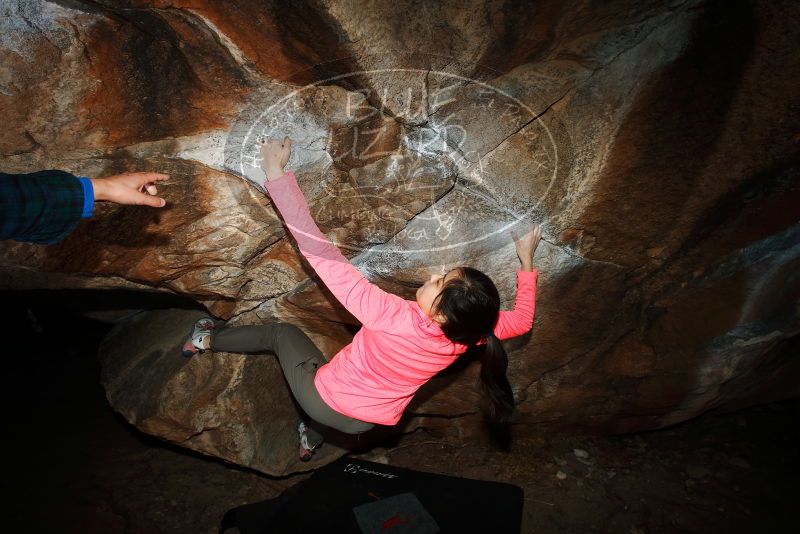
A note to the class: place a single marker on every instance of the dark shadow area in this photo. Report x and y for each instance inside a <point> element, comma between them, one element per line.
<point>670,135</point>
<point>76,466</point>
<point>719,473</point>
<point>76,301</point>
<point>499,435</point>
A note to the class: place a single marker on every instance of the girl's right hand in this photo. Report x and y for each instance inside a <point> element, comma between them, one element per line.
<point>526,240</point>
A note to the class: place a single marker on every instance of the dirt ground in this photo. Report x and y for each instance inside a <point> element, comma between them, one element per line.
<point>74,466</point>
<point>728,474</point>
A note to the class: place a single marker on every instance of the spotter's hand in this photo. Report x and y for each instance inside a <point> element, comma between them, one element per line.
<point>137,188</point>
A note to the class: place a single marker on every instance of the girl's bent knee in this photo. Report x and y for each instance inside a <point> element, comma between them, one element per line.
<point>285,331</point>
<point>286,328</point>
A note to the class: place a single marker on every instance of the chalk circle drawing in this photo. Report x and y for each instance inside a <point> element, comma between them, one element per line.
<point>436,139</point>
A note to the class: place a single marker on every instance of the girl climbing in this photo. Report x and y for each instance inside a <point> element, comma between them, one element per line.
<point>402,344</point>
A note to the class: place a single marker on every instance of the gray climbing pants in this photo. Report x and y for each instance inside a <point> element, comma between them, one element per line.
<point>299,358</point>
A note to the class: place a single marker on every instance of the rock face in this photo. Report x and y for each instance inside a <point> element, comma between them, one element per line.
<point>656,142</point>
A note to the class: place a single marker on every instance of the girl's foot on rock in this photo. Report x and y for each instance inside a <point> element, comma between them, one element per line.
<point>310,440</point>
<point>199,337</point>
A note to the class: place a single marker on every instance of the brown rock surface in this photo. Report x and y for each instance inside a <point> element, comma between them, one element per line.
<point>656,142</point>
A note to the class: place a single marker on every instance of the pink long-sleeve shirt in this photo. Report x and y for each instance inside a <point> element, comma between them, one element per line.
<point>399,347</point>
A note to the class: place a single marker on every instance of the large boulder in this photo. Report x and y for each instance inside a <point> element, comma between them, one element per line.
<point>226,405</point>
<point>655,142</point>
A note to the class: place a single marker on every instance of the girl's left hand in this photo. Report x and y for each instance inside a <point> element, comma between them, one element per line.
<point>526,241</point>
<point>274,156</point>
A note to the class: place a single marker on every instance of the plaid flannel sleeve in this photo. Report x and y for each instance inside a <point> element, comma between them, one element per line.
<point>43,207</point>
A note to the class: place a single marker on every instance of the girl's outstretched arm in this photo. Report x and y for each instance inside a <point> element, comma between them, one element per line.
<point>374,308</point>
<point>520,319</point>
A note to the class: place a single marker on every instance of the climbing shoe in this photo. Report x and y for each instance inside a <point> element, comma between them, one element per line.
<point>310,440</point>
<point>201,328</point>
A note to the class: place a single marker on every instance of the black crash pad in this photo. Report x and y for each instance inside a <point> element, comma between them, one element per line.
<point>360,497</point>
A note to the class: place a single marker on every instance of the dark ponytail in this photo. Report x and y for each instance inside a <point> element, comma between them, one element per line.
<point>497,394</point>
<point>470,305</point>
